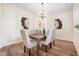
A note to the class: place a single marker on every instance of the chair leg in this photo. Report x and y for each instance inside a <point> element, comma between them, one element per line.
<point>51,45</point>
<point>45,48</point>
<point>29,52</point>
<point>54,42</point>
<point>24,49</point>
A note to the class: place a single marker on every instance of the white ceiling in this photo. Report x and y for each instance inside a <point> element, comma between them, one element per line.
<point>50,7</point>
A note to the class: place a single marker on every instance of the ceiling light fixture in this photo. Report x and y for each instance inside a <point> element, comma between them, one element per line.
<point>42,13</point>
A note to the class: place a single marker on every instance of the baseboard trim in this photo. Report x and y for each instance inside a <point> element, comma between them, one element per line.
<point>64,39</point>
<point>10,43</point>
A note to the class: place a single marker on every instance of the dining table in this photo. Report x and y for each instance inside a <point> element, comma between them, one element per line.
<point>37,37</point>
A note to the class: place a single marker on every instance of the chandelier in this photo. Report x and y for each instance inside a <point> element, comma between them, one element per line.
<point>42,13</point>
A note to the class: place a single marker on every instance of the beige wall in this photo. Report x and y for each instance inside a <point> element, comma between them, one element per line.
<point>0,23</point>
<point>76,21</point>
<point>11,23</point>
<point>0,17</point>
<point>0,20</point>
<point>66,33</point>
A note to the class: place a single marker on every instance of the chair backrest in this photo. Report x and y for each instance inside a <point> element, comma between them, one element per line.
<point>49,36</point>
<point>24,34</point>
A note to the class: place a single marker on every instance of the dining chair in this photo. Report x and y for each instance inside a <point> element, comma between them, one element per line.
<point>28,42</point>
<point>48,39</point>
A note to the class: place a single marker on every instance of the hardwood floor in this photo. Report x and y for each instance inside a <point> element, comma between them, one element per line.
<point>61,48</point>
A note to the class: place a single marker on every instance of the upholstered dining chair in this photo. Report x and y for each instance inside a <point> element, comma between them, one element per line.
<point>48,39</point>
<point>28,43</point>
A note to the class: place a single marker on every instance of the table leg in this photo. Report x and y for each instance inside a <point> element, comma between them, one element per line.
<point>37,49</point>
<point>51,45</point>
<point>54,42</point>
<point>24,49</point>
<point>46,49</point>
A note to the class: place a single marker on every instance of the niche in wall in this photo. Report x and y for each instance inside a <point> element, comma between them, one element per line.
<point>25,22</point>
<point>58,24</point>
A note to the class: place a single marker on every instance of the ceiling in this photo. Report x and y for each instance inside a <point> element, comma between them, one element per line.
<point>51,8</point>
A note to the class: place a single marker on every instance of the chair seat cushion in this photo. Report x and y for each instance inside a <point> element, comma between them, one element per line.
<point>43,42</point>
<point>32,44</point>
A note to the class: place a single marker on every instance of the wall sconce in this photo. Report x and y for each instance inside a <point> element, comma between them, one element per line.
<point>77,26</point>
